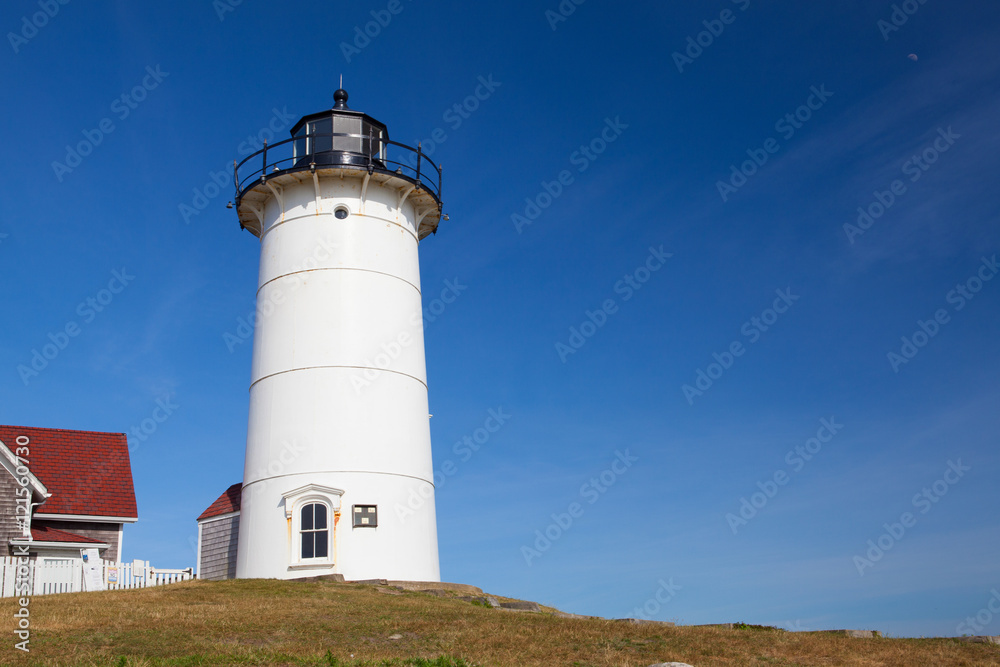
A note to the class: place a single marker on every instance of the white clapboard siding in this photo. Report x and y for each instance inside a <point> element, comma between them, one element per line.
<point>45,578</point>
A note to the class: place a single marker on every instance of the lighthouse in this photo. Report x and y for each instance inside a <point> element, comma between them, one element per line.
<point>338,438</point>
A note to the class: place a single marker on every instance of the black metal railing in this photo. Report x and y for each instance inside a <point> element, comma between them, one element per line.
<point>384,156</point>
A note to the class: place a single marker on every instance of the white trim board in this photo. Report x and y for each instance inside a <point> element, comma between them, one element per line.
<point>58,545</point>
<point>9,462</point>
<point>219,517</point>
<point>86,517</point>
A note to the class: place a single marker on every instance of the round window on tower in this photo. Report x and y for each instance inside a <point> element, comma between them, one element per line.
<point>341,212</point>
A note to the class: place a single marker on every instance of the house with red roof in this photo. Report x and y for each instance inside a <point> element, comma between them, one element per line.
<point>68,490</point>
<point>218,534</point>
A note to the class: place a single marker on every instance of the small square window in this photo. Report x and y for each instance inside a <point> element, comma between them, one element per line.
<point>365,516</point>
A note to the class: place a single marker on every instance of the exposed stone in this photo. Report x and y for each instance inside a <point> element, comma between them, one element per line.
<point>563,614</point>
<point>520,605</point>
<point>857,634</point>
<point>981,639</point>
<point>465,589</point>
<point>395,637</point>
<point>476,599</point>
<point>492,601</point>
<point>435,592</point>
<point>670,664</point>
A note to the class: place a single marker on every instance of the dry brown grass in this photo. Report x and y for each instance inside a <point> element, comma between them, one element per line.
<point>266,622</point>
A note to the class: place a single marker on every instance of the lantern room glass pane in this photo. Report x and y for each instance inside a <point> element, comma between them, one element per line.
<point>321,141</point>
<point>371,141</point>
<point>347,125</point>
<point>299,145</point>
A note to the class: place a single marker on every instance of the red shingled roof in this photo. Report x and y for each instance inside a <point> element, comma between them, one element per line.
<point>86,472</point>
<point>53,535</point>
<point>224,504</point>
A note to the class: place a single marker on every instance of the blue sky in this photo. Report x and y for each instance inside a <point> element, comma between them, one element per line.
<point>669,523</point>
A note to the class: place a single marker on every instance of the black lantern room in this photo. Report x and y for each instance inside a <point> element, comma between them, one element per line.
<point>338,140</point>
<point>339,136</point>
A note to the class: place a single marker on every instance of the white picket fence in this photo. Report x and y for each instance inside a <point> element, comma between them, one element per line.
<point>66,575</point>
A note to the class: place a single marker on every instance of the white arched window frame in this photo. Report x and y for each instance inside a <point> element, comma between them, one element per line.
<point>305,531</point>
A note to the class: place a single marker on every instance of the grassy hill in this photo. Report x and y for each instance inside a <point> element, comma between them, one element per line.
<point>267,622</point>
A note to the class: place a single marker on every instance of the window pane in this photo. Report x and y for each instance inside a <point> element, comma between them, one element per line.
<point>299,145</point>
<point>307,545</point>
<point>370,146</point>
<point>307,517</point>
<point>365,516</point>
<point>321,544</point>
<point>347,125</point>
<point>320,523</point>
<point>321,127</point>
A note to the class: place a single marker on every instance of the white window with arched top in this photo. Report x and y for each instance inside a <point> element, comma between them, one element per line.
<point>312,512</point>
<point>314,532</point>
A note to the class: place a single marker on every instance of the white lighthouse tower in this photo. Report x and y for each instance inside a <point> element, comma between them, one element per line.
<point>338,436</point>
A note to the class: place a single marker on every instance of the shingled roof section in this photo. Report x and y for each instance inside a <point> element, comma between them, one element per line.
<point>88,473</point>
<point>46,534</point>
<point>224,504</point>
